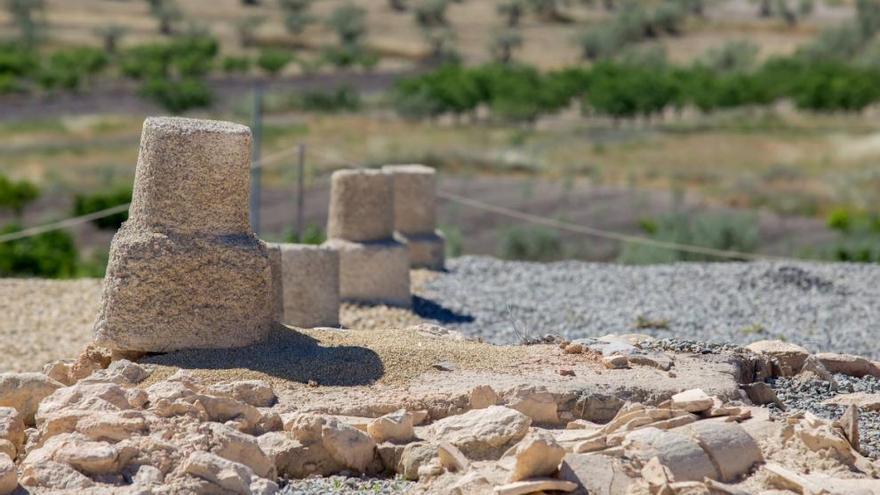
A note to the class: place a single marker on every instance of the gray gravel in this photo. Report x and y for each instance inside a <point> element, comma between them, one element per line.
<point>347,485</point>
<point>822,306</point>
<point>808,396</point>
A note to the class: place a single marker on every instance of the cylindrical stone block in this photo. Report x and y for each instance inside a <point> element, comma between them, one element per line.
<point>415,187</point>
<point>192,176</point>
<point>373,272</point>
<point>361,206</point>
<point>306,282</point>
<point>185,270</point>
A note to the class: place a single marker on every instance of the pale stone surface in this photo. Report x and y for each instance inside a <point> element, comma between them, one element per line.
<point>414,456</point>
<point>536,403</point>
<point>257,393</point>
<point>864,400</point>
<point>11,431</point>
<point>392,427</point>
<point>228,475</point>
<point>361,205</point>
<point>482,396</point>
<point>536,455</point>
<point>306,285</point>
<point>848,364</point>
<point>534,486</point>
<point>481,433</point>
<point>681,454</point>
<point>788,357</point>
<point>8,476</point>
<point>373,272</point>
<point>185,270</point>
<point>732,450</point>
<point>24,391</point>
<point>849,423</point>
<point>451,458</point>
<point>694,400</point>
<point>348,445</point>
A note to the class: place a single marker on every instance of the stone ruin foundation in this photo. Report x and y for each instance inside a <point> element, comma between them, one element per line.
<point>373,266</point>
<point>305,284</point>
<point>186,270</point>
<point>415,214</point>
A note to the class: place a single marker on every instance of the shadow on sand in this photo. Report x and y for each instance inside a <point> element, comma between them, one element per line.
<point>430,310</point>
<point>289,355</point>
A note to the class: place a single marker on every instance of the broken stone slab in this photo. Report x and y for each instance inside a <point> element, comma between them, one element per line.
<point>535,456</point>
<point>693,400</point>
<point>227,475</point>
<point>482,433</point>
<point>848,364</point>
<point>788,358</point>
<point>414,456</point>
<point>8,475</point>
<point>186,271</point>
<point>11,431</point>
<point>306,285</point>
<point>849,424</point>
<point>535,486</point>
<point>730,448</point>
<point>596,474</point>
<point>392,427</point>
<point>813,369</point>
<point>415,215</point>
<point>451,458</point>
<point>761,393</point>
<point>361,205</point>
<point>375,272</point>
<point>677,451</point>
<point>535,402</point>
<point>863,400</point>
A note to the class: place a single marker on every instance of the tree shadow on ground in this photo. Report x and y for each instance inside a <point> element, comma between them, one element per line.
<point>430,310</point>
<point>289,355</point>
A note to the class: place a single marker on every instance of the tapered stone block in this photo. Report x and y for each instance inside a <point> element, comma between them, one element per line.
<point>186,270</point>
<point>306,285</point>
<point>373,272</point>
<point>415,214</point>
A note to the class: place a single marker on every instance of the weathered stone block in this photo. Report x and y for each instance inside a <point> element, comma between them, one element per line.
<point>306,285</point>
<point>185,270</point>
<point>415,214</point>
<point>373,272</point>
<point>361,206</point>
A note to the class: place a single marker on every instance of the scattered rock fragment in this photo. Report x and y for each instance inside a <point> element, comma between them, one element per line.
<point>535,486</point>
<point>482,397</point>
<point>536,455</point>
<point>848,364</point>
<point>483,433</point>
<point>24,391</point>
<point>8,476</point>
<point>451,458</point>
<point>348,445</point>
<point>693,400</point>
<point>788,358</point>
<point>392,427</point>
<point>863,400</point>
<point>849,424</point>
<point>760,393</point>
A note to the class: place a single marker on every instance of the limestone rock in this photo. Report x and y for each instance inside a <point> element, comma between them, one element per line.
<point>8,475</point>
<point>238,447</point>
<point>256,393</point>
<point>451,458</point>
<point>537,455</point>
<point>848,364</point>
<point>59,371</point>
<point>414,456</point>
<point>788,358</point>
<point>393,427</point>
<point>294,459</point>
<point>732,450</point>
<point>482,433</point>
<point>24,391</point>
<point>535,403</point>
<point>694,400</point>
<point>185,270</point>
<point>348,445</point>
<point>232,476</point>
<point>534,486</point>
<point>482,397</point>
<point>863,400</point>
<point>678,452</point>
<point>813,369</point>
<point>615,362</point>
<point>11,431</point>
<point>849,424</point>
<point>760,393</point>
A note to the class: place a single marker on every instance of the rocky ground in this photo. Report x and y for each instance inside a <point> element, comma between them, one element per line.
<point>410,402</point>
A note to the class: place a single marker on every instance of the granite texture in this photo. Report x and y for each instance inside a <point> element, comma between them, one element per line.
<point>373,272</point>
<point>361,206</point>
<point>306,280</point>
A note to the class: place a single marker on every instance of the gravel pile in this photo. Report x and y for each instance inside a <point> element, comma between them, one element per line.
<point>809,395</point>
<point>347,485</point>
<point>822,306</point>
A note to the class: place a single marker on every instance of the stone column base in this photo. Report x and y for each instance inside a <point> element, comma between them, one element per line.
<point>373,272</point>
<point>306,285</point>
<point>426,250</point>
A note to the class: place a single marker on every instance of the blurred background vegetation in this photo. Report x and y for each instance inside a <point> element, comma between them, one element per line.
<point>748,125</point>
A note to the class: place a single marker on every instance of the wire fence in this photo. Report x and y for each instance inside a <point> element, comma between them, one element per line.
<point>448,196</point>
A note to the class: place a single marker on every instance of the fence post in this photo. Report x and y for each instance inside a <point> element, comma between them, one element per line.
<point>300,192</point>
<point>256,166</point>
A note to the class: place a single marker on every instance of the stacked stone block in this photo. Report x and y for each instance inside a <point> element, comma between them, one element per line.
<point>415,214</point>
<point>373,266</point>
<point>306,285</point>
<point>186,270</point>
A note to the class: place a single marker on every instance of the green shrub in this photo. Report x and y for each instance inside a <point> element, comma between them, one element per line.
<point>273,60</point>
<point>531,244</point>
<point>343,99</point>
<point>239,65</point>
<point>17,60</point>
<point>312,234</point>
<point>51,254</point>
<point>178,96</point>
<point>725,231</point>
<point>15,195</point>
<point>84,204</point>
